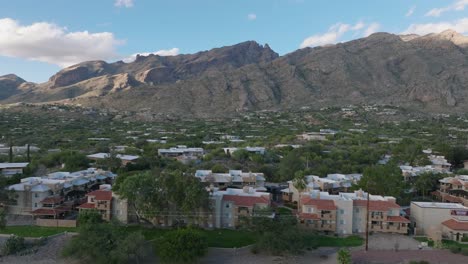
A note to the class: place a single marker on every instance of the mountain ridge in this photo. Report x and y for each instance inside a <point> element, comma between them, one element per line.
<point>427,72</point>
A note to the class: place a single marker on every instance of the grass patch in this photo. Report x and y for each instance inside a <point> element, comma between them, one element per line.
<point>35,231</point>
<point>329,241</point>
<point>451,243</point>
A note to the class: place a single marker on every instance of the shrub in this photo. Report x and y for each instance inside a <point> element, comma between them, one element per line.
<point>13,245</point>
<point>464,251</point>
<point>182,245</point>
<point>455,249</point>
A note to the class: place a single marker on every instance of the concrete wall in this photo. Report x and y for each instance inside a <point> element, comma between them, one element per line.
<point>55,222</point>
<point>344,220</point>
<point>427,219</point>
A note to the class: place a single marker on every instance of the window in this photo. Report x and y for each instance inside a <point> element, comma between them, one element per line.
<point>35,204</point>
<point>341,211</point>
<point>310,210</point>
<point>357,210</point>
<point>36,195</point>
<point>227,205</point>
<point>341,222</point>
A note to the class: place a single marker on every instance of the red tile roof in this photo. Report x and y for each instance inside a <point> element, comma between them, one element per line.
<point>44,211</point>
<point>246,200</point>
<point>52,200</point>
<point>87,206</point>
<point>453,199</point>
<point>101,195</point>
<point>50,211</point>
<point>436,193</point>
<point>456,225</point>
<point>455,182</point>
<point>319,203</point>
<point>309,216</point>
<point>397,219</point>
<point>376,205</point>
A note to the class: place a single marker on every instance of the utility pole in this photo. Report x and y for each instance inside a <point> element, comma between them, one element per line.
<point>10,154</point>
<point>367,222</point>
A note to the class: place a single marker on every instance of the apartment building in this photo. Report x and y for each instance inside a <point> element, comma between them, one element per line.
<point>453,190</point>
<point>231,205</point>
<point>100,200</point>
<point>333,183</point>
<point>55,194</point>
<point>437,220</point>
<point>234,178</point>
<point>181,150</point>
<point>126,159</point>
<point>10,169</point>
<point>346,213</point>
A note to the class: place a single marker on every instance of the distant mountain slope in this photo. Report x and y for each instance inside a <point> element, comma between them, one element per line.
<point>426,72</point>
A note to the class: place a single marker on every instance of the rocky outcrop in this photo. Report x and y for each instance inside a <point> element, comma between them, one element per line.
<point>428,72</point>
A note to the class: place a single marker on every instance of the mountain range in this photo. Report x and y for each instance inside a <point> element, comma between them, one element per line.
<point>428,73</point>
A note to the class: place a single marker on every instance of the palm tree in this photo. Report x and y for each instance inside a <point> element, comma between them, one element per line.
<point>300,183</point>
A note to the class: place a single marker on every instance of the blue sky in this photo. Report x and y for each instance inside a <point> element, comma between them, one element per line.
<point>38,38</point>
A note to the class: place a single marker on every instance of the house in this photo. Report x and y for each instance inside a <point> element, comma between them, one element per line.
<point>181,150</point>
<point>453,190</point>
<point>231,205</point>
<point>234,178</point>
<point>456,228</point>
<point>10,169</point>
<point>333,183</point>
<point>346,213</point>
<point>56,194</point>
<point>100,200</point>
<point>438,220</point>
<point>254,150</point>
<point>126,159</point>
<point>465,164</point>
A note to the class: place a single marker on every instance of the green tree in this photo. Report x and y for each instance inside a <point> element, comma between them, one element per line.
<point>426,182</point>
<point>158,194</point>
<point>384,180</point>
<point>277,236</point>
<point>89,217</point>
<point>344,256</point>
<point>182,245</point>
<point>3,220</point>
<point>289,165</point>
<point>218,168</point>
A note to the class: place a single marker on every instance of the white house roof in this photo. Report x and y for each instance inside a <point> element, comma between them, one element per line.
<point>13,165</point>
<point>107,155</point>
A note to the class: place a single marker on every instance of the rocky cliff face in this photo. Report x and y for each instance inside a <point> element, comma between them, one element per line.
<point>426,72</point>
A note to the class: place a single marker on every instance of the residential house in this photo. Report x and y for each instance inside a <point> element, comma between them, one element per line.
<point>254,150</point>
<point>181,150</point>
<point>126,159</point>
<point>456,228</point>
<point>234,179</point>
<point>346,213</point>
<point>56,193</point>
<point>231,205</point>
<point>10,169</point>
<point>100,200</point>
<point>453,190</point>
<point>333,183</point>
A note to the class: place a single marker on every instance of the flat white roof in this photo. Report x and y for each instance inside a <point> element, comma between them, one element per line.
<point>13,165</point>
<point>440,205</point>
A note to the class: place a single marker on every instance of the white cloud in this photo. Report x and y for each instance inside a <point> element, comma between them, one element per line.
<point>458,5</point>
<point>124,3</point>
<point>335,32</point>
<point>410,11</point>
<point>50,43</point>
<point>372,28</point>
<point>461,26</point>
<point>251,16</point>
<point>170,52</point>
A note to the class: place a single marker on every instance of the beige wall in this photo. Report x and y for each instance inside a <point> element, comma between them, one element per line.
<point>428,218</point>
<point>344,214</point>
<point>55,222</point>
